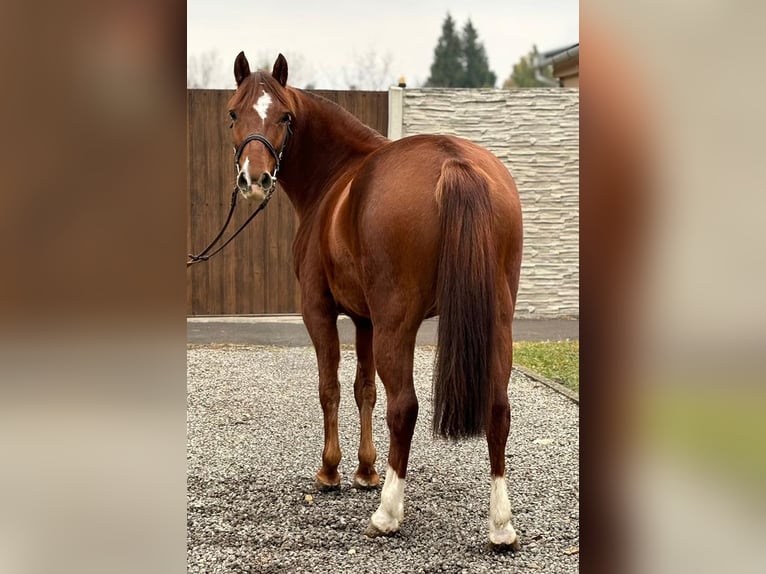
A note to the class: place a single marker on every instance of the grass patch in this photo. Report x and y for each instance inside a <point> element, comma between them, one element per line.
<point>719,427</point>
<point>555,360</point>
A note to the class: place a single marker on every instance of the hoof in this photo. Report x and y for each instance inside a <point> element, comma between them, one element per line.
<point>373,531</point>
<point>322,486</point>
<point>363,483</point>
<point>500,545</point>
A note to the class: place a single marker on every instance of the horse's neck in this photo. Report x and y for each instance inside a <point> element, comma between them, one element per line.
<point>330,145</point>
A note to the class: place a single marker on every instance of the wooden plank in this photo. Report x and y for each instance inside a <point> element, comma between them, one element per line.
<point>272,257</point>
<point>256,239</point>
<point>211,201</point>
<point>190,285</point>
<point>287,283</point>
<point>296,286</point>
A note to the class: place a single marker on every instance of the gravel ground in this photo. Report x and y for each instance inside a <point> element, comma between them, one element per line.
<point>254,429</point>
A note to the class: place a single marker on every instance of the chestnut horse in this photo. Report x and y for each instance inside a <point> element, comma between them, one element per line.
<point>391,233</point>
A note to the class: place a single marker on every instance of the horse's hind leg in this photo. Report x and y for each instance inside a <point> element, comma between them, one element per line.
<point>365,395</point>
<point>501,531</point>
<point>321,323</point>
<point>394,356</point>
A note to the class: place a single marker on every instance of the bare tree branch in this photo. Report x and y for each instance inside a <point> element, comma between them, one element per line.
<point>204,70</point>
<point>371,72</point>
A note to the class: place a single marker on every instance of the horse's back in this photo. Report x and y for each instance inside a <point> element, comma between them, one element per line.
<point>392,216</point>
<point>397,185</point>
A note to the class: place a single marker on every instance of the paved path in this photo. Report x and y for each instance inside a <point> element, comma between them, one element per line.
<point>289,331</point>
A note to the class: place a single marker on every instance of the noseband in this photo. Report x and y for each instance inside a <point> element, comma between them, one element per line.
<point>276,155</point>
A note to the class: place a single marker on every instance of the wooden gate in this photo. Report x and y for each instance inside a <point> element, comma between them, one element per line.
<point>254,273</point>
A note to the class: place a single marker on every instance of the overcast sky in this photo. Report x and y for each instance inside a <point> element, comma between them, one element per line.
<point>325,42</point>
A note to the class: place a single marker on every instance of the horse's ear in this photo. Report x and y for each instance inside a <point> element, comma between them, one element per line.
<point>280,70</point>
<point>241,68</point>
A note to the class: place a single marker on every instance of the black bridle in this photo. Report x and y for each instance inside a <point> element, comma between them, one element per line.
<point>204,256</point>
<point>276,155</point>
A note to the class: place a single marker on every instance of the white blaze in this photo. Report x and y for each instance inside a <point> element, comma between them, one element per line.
<point>262,105</point>
<point>245,170</point>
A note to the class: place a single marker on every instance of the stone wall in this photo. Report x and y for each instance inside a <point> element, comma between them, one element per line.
<point>535,132</point>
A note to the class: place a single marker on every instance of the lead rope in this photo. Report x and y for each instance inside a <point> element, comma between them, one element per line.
<point>203,256</point>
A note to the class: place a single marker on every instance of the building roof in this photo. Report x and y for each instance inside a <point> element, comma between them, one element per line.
<point>559,55</point>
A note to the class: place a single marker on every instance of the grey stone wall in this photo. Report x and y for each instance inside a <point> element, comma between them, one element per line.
<point>535,132</point>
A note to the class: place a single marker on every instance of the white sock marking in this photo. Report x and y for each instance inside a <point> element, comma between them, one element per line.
<point>500,529</point>
<point>262,105</point>
<point>391,510</point>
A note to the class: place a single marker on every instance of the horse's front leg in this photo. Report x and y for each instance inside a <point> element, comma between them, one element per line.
<point>321,323</point>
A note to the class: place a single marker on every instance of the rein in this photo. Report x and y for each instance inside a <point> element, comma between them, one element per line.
<point>203,255</point>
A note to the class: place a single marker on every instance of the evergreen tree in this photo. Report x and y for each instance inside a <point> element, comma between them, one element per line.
<point>447,67</point>
<point>460,62</point>
<point>476,73</point>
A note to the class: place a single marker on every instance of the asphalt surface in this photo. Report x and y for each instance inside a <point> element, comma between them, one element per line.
<point>288,330</point>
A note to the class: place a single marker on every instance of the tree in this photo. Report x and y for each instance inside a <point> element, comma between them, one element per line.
<point>370,72</point>
<point>460,61</point>
<point>203,71</point>
<point>477,73</point>
<point>447,68</point>
<point>523,75</point>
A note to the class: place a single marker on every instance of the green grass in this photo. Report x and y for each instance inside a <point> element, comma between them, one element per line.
<point>555,360</point>
<point>721,426</point>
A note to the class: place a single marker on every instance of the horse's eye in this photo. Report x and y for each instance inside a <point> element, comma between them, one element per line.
<point>285,119</point>
<point>233,115</point>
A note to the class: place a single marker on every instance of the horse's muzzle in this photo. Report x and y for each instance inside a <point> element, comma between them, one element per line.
<point>255,190</point>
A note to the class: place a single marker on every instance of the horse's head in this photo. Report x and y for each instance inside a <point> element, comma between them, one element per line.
<point>261,119</point>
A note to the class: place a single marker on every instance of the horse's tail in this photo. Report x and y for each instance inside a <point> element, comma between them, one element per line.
<point>466,302</point>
